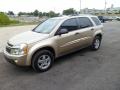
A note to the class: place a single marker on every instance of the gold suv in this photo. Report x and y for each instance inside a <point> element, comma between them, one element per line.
<point>53,38</point>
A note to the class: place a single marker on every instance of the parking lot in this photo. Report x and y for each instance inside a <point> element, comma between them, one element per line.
<point>82,70</point>
<point>8,32</point>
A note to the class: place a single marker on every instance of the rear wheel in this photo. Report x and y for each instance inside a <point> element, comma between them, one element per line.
<point>42,61</point>
<point>96,43</point>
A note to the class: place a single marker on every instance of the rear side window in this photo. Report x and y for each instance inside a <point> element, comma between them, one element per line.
<point>70,24</point>
<point>84,22</point>
<point>97,22</point>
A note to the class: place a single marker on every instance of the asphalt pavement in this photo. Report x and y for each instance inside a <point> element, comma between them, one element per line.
<point>7,32</point>
<point>82,70</point>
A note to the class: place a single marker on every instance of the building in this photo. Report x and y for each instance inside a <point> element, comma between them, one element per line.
<point>110,10</point>
<point>92,11</point>
<point>113,10</point>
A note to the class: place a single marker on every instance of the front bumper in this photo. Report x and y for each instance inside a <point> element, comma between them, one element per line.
<point>19,60</point>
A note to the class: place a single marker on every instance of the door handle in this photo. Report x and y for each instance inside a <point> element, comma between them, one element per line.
<point>92,29</point>
<point>77,33</point>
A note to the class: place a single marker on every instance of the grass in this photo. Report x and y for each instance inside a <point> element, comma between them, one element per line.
<point>19,24</point>
<point>6,22</point>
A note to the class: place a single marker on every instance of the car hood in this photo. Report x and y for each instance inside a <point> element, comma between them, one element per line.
<point>27,37</point>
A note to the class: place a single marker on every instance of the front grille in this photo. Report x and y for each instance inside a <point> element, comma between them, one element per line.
<point>9,44</point>
<point>8,49</point>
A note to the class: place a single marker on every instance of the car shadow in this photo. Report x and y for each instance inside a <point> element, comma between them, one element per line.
<point>72,55</point>
<point>23,70</point>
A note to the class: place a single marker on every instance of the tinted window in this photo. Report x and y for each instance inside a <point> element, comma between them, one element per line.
<point>97,22</point>
<point>84,22</point>
<point>100,17</point>
<point>70,24</point>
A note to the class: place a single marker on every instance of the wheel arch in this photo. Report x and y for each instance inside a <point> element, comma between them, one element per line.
<point>44,48</point>
<point>99,34</point>
<point>30,57</point>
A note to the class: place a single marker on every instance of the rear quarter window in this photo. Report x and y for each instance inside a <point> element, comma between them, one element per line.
<point>97,22</point>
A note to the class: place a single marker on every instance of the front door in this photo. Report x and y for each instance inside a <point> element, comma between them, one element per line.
<point>67,42</point>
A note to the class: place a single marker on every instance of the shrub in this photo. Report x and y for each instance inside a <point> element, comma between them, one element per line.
<point>4,20</point>
<point>14,22</point>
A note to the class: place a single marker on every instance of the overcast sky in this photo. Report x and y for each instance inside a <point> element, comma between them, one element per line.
<point>55,5</point>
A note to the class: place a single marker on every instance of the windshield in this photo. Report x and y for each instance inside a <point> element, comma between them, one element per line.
<point>47,26</point>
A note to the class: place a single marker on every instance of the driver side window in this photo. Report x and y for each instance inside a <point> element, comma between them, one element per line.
<point>70,25</point>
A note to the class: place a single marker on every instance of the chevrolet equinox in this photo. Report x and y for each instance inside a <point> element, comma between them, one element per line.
<point>53,38</point>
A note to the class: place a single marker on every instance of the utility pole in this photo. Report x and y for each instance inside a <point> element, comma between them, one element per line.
<point>80,7</point>
<point>105,6</point>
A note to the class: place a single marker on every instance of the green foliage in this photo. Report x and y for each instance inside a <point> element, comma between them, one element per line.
<point>119,12</point>
<point>14,22</point>
<point>69,11</point>
<point>40,14</point>
<point>53,14</point>
<point>20,13</point>
<point>45,14</point>
<point>10,13</point>
<point>4,20</point>
<point>36,13</point>
<point>24,13</point>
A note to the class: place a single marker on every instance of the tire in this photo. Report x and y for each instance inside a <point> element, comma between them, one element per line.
<point>42,61</point>
<point>96,43</point>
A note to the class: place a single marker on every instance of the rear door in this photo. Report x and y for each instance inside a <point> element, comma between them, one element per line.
<point>86,30</point>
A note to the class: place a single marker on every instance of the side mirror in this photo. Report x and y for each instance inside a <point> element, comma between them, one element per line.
<point>62,31</point>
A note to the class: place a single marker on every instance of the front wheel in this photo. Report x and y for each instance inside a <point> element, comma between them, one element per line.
<point>42,61</point>
<point>96,43</point>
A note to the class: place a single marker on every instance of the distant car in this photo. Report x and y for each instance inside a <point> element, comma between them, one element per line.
<point>118,18</point>
<point>101,18</point>
<point>109,18</point>
<point>53,38</point>
<point>114,17</point>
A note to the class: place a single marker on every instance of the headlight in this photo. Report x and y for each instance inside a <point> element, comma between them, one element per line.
<point>19,49</point>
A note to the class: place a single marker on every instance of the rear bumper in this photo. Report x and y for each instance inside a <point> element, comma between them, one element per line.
<point>19,60</point>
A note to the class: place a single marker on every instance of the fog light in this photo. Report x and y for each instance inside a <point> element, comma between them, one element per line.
<point>16,61</point>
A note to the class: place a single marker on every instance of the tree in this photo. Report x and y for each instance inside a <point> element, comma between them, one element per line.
<point>40,14</point>
<point>29,13</point>
<point>11,13</point>
<point>119,11</point>
<point>24,13</point>
<point>69,11</point>
<point>20,13</point>
<point>36,13</point>
<point>45,14</point>
<point>53,14</point>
